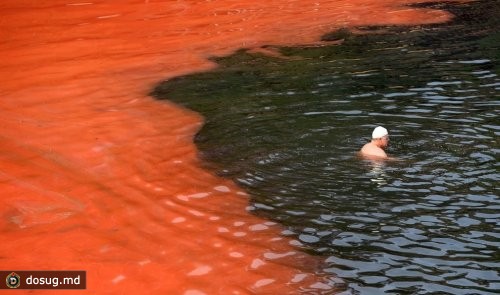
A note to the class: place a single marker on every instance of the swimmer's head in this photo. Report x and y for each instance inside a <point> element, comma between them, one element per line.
<point>380,136</point>
<point>379,132</point>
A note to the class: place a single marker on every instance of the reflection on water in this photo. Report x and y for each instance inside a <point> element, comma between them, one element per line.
<point>287,129</point>
<point>377,172</point>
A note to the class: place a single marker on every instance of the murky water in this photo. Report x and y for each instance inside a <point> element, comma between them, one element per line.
<point>287,127</point>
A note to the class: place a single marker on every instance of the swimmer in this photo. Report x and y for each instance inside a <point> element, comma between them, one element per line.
<point>375,148</point>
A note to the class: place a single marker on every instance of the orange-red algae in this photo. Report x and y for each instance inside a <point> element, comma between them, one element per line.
<point>97,176</point>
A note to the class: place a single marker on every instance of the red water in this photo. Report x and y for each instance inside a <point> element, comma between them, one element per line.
<point>97,176</point>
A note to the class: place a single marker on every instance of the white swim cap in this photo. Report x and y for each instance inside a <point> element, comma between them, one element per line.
<point>379,132</point>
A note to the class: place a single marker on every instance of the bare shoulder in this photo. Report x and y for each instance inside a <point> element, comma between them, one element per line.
<point>371,150</point>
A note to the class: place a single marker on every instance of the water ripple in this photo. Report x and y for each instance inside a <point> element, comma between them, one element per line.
<point>424,223</point>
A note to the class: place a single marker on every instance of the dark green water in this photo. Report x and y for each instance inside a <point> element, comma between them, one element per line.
<point>287,130</point>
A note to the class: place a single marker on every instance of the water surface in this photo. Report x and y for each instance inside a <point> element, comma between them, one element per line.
<point>96,175</point>
<point>286,127</point>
